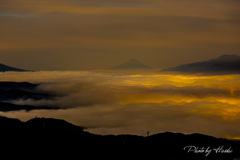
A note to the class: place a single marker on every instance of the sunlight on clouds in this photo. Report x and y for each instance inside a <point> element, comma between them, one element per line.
<point>119,102</point>
<point>110,102</point>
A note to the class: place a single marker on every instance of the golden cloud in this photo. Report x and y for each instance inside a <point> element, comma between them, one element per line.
<point>113,102</point>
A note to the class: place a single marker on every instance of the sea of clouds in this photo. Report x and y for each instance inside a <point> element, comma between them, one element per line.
<point>109,102</point>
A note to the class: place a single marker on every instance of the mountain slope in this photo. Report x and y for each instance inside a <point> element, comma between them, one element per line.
<point>5,68</point>
<point>225,64</point>
<point>131,64</point>
<point>55,138</point>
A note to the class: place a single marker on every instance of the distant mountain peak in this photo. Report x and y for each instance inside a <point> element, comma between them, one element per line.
<point>132,64</point>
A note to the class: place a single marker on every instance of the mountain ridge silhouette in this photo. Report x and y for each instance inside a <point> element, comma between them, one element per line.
<point>5,68</point>
<point>56,138</point>
<point>225,64</point>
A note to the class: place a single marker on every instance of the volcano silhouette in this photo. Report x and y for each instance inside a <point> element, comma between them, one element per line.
<point>131,64</point>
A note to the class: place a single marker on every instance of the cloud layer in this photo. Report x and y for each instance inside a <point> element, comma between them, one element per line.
<point>114,103</point>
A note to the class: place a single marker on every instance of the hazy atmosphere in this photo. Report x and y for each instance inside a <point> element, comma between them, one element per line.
<point>71,48</point>
<point>93,34</point>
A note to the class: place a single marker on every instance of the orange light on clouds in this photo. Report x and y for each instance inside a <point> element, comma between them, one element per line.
<point>89,34</point>
<point>163,100</point>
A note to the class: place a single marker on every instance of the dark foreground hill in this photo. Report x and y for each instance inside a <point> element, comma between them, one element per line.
<point>53,139</point>
<point>225,64</point>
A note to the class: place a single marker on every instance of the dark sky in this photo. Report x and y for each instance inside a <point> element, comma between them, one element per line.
<point>93,34</point>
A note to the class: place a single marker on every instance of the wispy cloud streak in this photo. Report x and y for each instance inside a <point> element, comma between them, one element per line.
<point>16,15</point>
